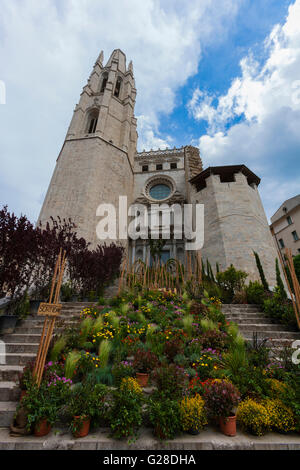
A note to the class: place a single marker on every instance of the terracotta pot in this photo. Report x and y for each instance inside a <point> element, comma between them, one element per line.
<point>228,425</point>
<point>42,428</point>
<point>142,379</point>
<point>84,428</point>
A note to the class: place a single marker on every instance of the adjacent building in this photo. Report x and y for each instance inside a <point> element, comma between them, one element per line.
<point>285,226</point>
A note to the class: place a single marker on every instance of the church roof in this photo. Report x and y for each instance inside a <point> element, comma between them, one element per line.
<point>226,174</point>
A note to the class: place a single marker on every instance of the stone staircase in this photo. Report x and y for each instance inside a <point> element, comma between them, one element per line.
<point>22,345</point>
<point>250,319</point>
<point>21,348</point>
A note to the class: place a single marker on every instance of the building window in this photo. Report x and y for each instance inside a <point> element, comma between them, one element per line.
<point>295,236</point>
<point>92,121</point>
<point>104,82</point>
<point>160,191</point>
<point>118,87</point>
<point>281,243</point>
<point>145,168</point>
<point>173,166</point>
<point>159,167</point>
<point>289,220</point>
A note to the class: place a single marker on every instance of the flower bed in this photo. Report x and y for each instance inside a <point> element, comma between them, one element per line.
<point>199,370</point>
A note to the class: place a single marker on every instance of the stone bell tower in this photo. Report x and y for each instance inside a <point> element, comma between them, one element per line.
<point>95,164</point>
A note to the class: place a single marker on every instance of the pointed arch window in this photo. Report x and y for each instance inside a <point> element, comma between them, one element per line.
<point>92,121</point>
<point>118,87</point>
<point>104,82</point>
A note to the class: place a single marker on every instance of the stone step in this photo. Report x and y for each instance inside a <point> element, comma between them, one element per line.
<point>245,314</point>
<point>21,347</point>
<point>273,334</point>
<point>21,338</point>
<point>263,327</point>
<point>241,321</point>
<point>40,322</point>
<point>10,373</point>
<point>242,307</point>
<point>274,342</point>
<point>35,330</point>
<point>249,318</point>
<point>9,391</point>
<point>7,411</point>
<point>18,359</point>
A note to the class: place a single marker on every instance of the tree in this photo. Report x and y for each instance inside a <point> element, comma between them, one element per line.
<point>261,272</point>
<point>28,255</point>
<point>18,250</point>
<point>279,282</point>
<point>297,266</point>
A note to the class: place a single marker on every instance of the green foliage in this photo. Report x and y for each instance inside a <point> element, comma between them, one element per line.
<point>280,284</point>
<point>187,322</point>
<point>121,370</point>
<point>258,352</point>
<point>66,292</point>
<point>221,397</point>
<point>57,349</point>
<point>255,293</point>
<point>85,330</point>
<point>126,411</point>
<point>297,266</point>
<point>171,381</point>
<point>207,325</point>
<point>165,417</point>
<point>45,401</point>
<point>253,417</point>
<point>104,352</point>
<point>86,401</point>
<point>22,306</point>
<point>280,310</point>
<point>71,363</point>
<point>261,272</point>
<point>231,281</point>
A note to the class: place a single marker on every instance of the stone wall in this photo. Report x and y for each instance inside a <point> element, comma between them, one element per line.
<point>88,172</point>
<point>235,226</point>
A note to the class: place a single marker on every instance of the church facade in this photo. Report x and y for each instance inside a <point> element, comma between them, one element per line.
<point>99,162</point>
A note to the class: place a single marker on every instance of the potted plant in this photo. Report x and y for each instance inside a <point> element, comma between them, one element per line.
<point>121,370</point>
<point>171,381</point>
<point>13,310</point>
<point>193,414</point>
<point>25,378</point>
<point>80,409</point>
<point>164,415</point>
<point>126,411</point>
<point>143,363</point>
<point>42,405</point>
<point>222,398</point>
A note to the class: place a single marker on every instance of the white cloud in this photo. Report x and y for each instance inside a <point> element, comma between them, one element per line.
<point>267,98</point>
<point>47,51</point>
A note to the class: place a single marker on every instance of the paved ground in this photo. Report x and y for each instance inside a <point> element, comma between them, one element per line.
<point>210,439</point>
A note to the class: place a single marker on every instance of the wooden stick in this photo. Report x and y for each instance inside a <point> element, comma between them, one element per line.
<point>296,296</point>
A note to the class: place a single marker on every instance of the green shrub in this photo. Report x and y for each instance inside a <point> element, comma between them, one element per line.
<point>254,417</point>
<point>126,411</point>
<point>165,417</point>
<point>280,310</point>
<point>261,272</point>
<point>231,281</point>
<point>255,293</point>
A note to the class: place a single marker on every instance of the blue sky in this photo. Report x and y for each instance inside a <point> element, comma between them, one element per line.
<point>224,76</point>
